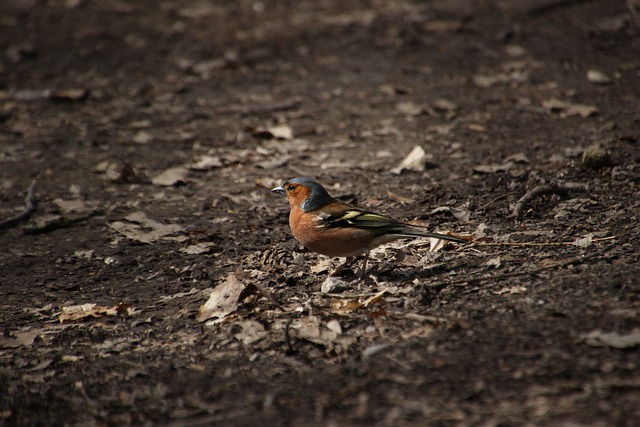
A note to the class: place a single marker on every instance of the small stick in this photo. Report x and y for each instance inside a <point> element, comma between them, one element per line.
<point>486,205</point>
<point>481,277</point>
<point>544,190</point>
<point>260,108</point>
<point>533,244</point>
<point>30,203</point>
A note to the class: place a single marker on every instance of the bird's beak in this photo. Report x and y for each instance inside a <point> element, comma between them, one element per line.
<point>278,190</point>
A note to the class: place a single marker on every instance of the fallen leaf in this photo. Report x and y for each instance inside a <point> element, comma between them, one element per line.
<point>73,94</point>
<point>598,77</point>
<point>134,229</point>
<point>281,131</point>
<point>311,329</point>
<point>374,299</point>
<point>142,137</point>
<point>442,104</point>
<point>513,76</point>
<point>583,242</point>
<point>477,127</point>
<point>410,108</point>
<point>115,172</point>
<point>415,161</point>
<point>392,89</point>
<point>422,331</point>
<point>494,167</point>
<point>436,244</point>
<point>251,332</point>
<point>463,212</point>
<point>399,198</point>
<point>567,109</point>
<point>511,290</point>
<point>494,262</point>
<point>171,176</point>
<point>443,26</point>
<point>334,325</point>
<point>67,206</point>
<point>517,158</point>
<point>612,339</point>
<point>223,300</point>
<point>343,306</point>
<point>206,162</point>
<point>198,248</point>
<point>374,349</point>
<point>24,337</point>
<point>333,285</point>
<point>74,313</point>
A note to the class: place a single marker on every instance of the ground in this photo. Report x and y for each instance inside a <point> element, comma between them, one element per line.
<point>153,131</point>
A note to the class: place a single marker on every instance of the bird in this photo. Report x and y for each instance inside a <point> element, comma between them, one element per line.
<point>328,226</point>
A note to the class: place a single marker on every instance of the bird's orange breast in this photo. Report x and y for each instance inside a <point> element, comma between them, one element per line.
<point>334,242</point>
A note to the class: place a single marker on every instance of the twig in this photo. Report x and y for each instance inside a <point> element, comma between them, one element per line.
<point>30,203</point>
<point>533,244</point>
<point>62,222</point>
<point>287,337</point>
<point>486,205</point>
<point>553,5</point>
<point>572,261</point>
<point>259,109</point>
<point>544,190</point>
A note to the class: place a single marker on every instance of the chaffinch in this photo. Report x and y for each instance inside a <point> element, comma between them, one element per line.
<point>333,228</point>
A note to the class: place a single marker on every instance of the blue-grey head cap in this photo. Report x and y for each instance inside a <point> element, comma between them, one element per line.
<point>318,197</point>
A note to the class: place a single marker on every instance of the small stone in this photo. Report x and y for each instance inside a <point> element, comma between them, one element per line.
<point>596,157</point>
<point>333,285</point>
<point>598,77</point>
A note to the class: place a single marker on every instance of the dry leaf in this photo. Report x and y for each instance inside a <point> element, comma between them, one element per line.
<point>511,290</point>
<point>342,306</point>
<point>517,158</point>
<point>171,176</point>
<point>80,312</point>
<point>333,285</point>
<point>567,109</point>
<point>415,161</point>
<point>133,229</point>
<point>334,325</point>
<point>374,299</point>
<point>583,242</point>
<point>436,244</point>
<point>24,337</point>
<point>311,329</point>
<point>223,300</point>
<point>494,262</point>
<point>198,248</point>
<point>421,331</point>
<point>443,26</point>
<point>516,75</point>
<point>282,132</point>
<point>73,94</point>
<point>598,77</point>
<point>251,332</point>
<point>462,213</point>
<point>612,339</point>
<point>206,162</point>
<point>493,168</point>
<point>399,198</point>
<point>410,108</point>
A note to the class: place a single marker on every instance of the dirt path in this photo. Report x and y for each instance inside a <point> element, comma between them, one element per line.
<point>154,131</point>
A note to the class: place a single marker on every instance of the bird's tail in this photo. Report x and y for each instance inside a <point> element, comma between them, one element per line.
<point>415,231</point>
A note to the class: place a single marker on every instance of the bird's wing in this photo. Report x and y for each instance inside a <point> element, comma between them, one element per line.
<point>347,216</point>
<point>343,215</point>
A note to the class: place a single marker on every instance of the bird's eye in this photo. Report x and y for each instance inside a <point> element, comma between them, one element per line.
<point>291,187</point>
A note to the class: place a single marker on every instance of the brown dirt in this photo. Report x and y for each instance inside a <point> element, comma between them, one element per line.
<point>99,97</point>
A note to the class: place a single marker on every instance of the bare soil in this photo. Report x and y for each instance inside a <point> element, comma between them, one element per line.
<point>154,131</point>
